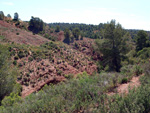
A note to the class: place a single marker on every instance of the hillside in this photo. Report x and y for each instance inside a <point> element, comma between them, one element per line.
<point>45,61</point>
<point>17,35</point>
<point>90,72</point>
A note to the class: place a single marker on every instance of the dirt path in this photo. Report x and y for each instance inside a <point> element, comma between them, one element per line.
<point>124,88</point>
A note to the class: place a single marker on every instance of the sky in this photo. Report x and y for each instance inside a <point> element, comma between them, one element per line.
<point>131,14</point>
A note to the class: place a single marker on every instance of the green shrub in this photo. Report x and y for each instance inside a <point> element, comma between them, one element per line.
<point>124,80</point>
<point>138,70</point>
<point>16,58</point>
<point>57,29</point>
<point>12,53</point>
<point>20,65</point>
<point>21,54</point>
<point>27,74</point>
<point>146,67</point>
<point>144,53</point>
<point>51,31</point>
<point>83,49</point>
<point>84,93</point>
<point>69,76</point>
<point>30,59</point>
<point>17,89</point>
<point>76,45</point>
<point>19,77</point>
<point>46,35</point>
<point>10,100</point>
<point>26,83</point>
<point>81,37</point>
<point>59,72</point>
<point>15,62</point>
<point>8,73</point>
<point>17,33</point>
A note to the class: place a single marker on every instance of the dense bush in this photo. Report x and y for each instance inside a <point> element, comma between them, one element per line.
<point>7,73</point>
<point>36,25</point>
<point>10,100</point>
<point>21,54</point>
<point>84,94</point>
<point>57,29</point>
<point>138,70</point>
<point>16,16</point>
<point>142,40</point>
<point>71,96</point>
<point>144,53</point>
<point>1,15</point>
<point>124,80</point>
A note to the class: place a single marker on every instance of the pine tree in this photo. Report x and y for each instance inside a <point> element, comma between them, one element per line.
<point>76,33</point>
<point>67,36</point>
<point>1,15</point>
<point>16,16</point>
<point>141,40</point>
<point>113,46</point>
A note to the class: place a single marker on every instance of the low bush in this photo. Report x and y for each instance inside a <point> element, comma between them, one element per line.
<point>12,99</point>
<point>144,53</point>
<point>17,33</point>
<point>124,80</point>
<point>87,94</point>
<point>21,54</point>
<point>16,58</point>
<point>138,70</point>
<point>30,59</point>
<point>15,62</point>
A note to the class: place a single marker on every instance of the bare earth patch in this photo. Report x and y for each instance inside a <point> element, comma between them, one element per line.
<point>124,88</point>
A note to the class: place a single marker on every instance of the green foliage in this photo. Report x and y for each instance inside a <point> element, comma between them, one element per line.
<point>17,24</point>
<point>12,99</point>
<point>36,25</point>
<point>144,53</point>
<point>76,45</point>
<point>16,58</point>
<point>141,40</point>
<point>17,33</point>
<point>86,30</point>
<point>146,69</point>
<point>15,62</point>
<point>16,16</point>
<point>7,73</point>
<point>57,29</point>
<point>124,80</point>
<point>1,15</point>
<point>138,70</point>
<point>46,35</point>
<point>50,45</point>
<point>21,54</point>
<point>76,33</point>
<point>71,96</point>
<point>69,76</point>
<point>20,64</point>
<point>9,16</point>
<point>113,46</point>
<point>85,93</point>
<point>52,38</point>
<point>81,37</point>
<point>67,36</point>
<point>30,59</point>
<point>17,89</point>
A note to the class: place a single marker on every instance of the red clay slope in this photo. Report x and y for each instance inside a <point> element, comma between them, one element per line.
<point>20,36</point>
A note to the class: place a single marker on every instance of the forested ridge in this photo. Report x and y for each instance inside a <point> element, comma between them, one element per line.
<point>89,30</point>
